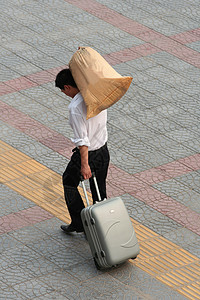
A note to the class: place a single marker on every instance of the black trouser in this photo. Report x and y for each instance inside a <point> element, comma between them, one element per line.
<point>98,161</point>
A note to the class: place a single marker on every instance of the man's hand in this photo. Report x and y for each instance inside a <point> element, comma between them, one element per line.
<point>85,168</point>
<point>86,171</point>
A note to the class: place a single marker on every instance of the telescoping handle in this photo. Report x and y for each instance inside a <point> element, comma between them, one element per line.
<point>96,186</point>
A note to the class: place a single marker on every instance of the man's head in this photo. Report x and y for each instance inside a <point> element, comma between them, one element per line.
<point>65,81</point>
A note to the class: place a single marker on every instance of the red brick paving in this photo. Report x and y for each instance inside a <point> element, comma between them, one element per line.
<point>23,218</point>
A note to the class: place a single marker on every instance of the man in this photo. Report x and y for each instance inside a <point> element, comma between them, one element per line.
<point>91,152</point>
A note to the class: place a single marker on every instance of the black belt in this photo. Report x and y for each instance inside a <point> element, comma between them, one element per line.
<point>100,149</point>
<point>92,151</point>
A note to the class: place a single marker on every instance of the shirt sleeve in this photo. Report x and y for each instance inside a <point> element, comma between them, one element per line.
<point>79,128</point>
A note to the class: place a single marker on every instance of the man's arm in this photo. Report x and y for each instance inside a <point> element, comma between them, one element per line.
<point>85,168</point>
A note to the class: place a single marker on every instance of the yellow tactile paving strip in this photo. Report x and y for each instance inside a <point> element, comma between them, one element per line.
<point>159,257</point>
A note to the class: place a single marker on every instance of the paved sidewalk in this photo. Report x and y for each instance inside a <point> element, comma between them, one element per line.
<point>154,136</point>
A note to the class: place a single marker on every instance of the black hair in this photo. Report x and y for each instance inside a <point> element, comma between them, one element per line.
<point>64,77</point>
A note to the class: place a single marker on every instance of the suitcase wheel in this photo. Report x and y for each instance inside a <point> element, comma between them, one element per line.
<point>96,264</point>
<point>133,257</point>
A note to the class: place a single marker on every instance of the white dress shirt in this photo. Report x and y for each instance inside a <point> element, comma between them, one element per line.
<point>92,132</point>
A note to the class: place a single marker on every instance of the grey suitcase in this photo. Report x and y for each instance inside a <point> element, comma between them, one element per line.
<point>109,231</point>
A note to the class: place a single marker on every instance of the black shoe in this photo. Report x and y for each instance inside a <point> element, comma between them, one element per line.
<point>70,228</point>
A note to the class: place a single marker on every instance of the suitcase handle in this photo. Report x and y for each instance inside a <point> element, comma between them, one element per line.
<point>96,186</point>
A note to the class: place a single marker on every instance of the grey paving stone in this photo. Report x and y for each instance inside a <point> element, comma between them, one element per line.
<point>164,125</point>
<point>28,234</point>
<point>171,16</point>
<point>47,117</point>
<point>182,135</point>
<point>50,226</point>
<point>10,293</point>
<point>127,162</point>
<point>17,46</point>
<point>18,66</point>
<point>39,266</point>
<point>165,75</point>
<point>60,280</point>
<point>57,236</point>
<point>11,58</point>
<point>156,158</point>
<point>110,288</point>
<point>33,150</point>
<point>191,107</point>
<point>188,103</point>
<point>185,239</point>
<point>7,242</point>
<point>15,275</point>
<point>117,119</point>
<point>192,180</point>
<point>23,17</point>
<point>185,119</point>
<point>194,145</point>
<point>59,254</point>
<point>49,99</point>
<point>54,161</point>
<point>143,132</point>
<point>161,26</point>
<point>11,202</point>
<point>26,68</point>
<point>121,37</point>
<point>86,270</point>
<point>137,102</point>
<point>71,44</point>
<point>142,63</point>
<point>55,51</point>
<point>154,86</point>
<point>149,217</point>
<point>127,146</point>
<point>10,135</point>
<point>170,147</point>
<point>62,126</point>
<point>5,263</point>
<point>41,60</point>
<point>180,192</point>
<point>32,288</point>
<point>126,141</point>
<point>23,142</point>
<point>103,44</point>
<point>188,87</point>
<point>125,70</point>
<point>195,46</point>
<point>24,104</point>
<point>138,75</point>
<point>46,246</point>
<point>192,12</point>
<point>193,248</point>
<point>7,73</point>
<point>144,283</point>
<point>20,253</point>
<point>4,52</point>
<point>170,62</point>
<point>3,285</point>
<point>183,22</point>
<point>195,127</point>
<point>53,295</point>
<point>193,73</point>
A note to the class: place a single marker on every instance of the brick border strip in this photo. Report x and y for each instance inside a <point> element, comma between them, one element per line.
<point>22,218</point>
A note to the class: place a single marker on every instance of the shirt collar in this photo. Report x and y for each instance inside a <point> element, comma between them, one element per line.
<point>76,96</point>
